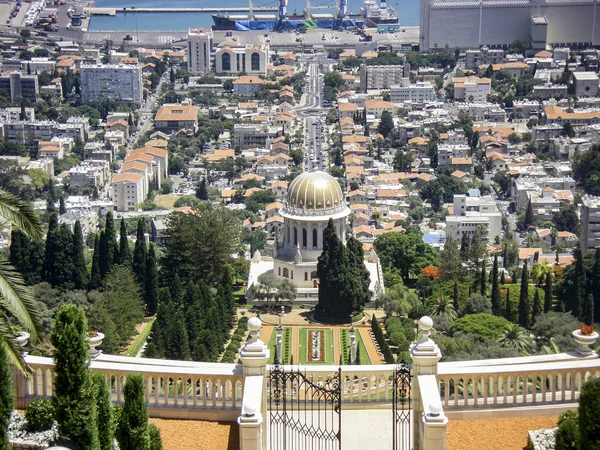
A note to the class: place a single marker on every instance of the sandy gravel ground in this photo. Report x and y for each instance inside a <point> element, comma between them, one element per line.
<point>198,435</point>
<point>369,345</point>
<point>495,434</point>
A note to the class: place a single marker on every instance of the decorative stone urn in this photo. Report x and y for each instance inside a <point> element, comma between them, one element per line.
<point>94,341</point>
<point>22,338</point>
<point>585,341</point>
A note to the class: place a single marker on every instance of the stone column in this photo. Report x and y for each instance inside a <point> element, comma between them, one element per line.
<point>278,356</point>
<point>352,348</point>
<point>425,356</point>
<point>254,356</point>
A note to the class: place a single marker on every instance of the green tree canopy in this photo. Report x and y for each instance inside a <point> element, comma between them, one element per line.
<point>405,253</point>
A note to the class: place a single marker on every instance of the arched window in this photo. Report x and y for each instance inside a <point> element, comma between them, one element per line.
<point>255,62</point>
<point>315,243</point>
<point>305,276</point>
<point>295,236</point>
<point>286,272</point>
<point>226,62</point>
<point>304,237</point>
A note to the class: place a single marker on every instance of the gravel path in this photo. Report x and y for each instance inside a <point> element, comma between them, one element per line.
<point>495,434</point>
<point>198,435</point>
<point>369,345</point>
<point>265,333</point>
<point>296,344</point>
<point>336,345</point>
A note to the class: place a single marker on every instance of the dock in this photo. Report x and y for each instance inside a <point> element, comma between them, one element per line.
<point>113,11</point>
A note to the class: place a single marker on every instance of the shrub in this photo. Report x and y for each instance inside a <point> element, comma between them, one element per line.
<point>132,429</point>
<point>154,436</point>
<point>39,415</point>
<point>105,411</point>
<point>481,326</point>
<point>567,435</point>
<point>397,339</point>
<point>7,400</point>
<point>476,304</point>
<point>589,411</point>
<point>569,414</point>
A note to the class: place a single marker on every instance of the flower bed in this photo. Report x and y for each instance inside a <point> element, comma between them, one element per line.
<point>321,357</point>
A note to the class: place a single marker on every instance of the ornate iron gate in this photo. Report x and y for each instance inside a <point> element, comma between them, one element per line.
<point>401,407</point>
<point>303,413</point>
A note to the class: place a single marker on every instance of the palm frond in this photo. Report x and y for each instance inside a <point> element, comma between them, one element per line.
<point>12,349</point>
<point>21,215</point>
<point>17,299</point>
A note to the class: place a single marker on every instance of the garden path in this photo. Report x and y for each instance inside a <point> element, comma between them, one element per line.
<point>369,345</point>
<point>336,345</point>
<point>296,344</point>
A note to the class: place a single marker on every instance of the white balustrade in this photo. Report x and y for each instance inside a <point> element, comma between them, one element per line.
<point>174,389</point>
<point>528,381</point>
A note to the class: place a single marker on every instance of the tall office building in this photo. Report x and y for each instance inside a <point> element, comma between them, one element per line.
<point>200,45</point>
<point>118,82</point>
<point>20,87</point>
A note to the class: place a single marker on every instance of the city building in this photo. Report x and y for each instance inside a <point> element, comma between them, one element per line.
<point>118,82</point>
<point>586,84</point>
<point>590,223</point>
<point>470,213</point>
<point>233,57</point>
<point>128,191</point>
<point>174,117</point>
<point>416,93</point>
<point>200,50</point>
<point>469,24</point>
<point>247,85</point>
<point>382,77</point>
<point>472,89</point>
<point>20,87</point>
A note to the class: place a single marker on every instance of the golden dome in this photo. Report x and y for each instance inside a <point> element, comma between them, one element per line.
<point>312,191</point>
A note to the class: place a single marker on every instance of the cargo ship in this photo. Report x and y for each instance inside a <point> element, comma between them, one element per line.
<point>371,15</point>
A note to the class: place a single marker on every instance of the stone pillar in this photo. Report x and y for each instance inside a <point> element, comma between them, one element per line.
<point>254,356</point>
<point>425,356</point>
<point>434,429</point>
<point>352,348</point>
<point>278,355</point>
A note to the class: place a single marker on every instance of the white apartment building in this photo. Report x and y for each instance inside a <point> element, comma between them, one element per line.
<point>89,174</point>
<point>37,65</point>
<point>471,213</point>
<point>381,77</point>
<point>590,223</point>
<point>472,89</point>
<point>484,55</point>
<point>199,49</point>
<point>416,93</point>
<point>128,191</point>
<point>523,188</point>
<point>111,81</point>
<point>253,135</point>
<point>447,152</point>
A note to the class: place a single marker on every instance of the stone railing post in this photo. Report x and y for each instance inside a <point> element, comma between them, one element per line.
<point>425,356</point>
<point>254,356</point>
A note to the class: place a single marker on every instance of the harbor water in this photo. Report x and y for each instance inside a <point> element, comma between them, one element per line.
<point>408,13</point>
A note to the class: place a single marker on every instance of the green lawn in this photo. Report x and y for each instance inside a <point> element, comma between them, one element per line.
<point>286,345</point>
<point>140,340</point>
<point>303,357</point>
<point>345,344</point>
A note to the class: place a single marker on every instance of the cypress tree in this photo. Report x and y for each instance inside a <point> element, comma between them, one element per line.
<point>105,411</point>
<point>596,285</point>
<point>7,399</point>
<point>483,279</point>
<point>358,355</point>
<point>358,271</point>
<point>151,288</point>
<point>47,271</point>
<point>455,299</point>
<point>111,240</point>
<point>588,310</point>
<point>202,190</point>
<point>502,279</point>
<point>576,306</point>
<point>132,429</point>
<point>505,257</point>
<point>62,208</point>
<point>80,274</point>
<point>465,246</point>
<point>74,400</point>
<point>508,311</point>
<point>537,306</point>
<point>548,293</point>
<point>515,277</point>
<point>524,298</point>
<point>17,249</point>
<point>124,251</point>
<point>104,255</point>
<point>528,220</point>
<point>496,300</point>
<point>140,254</point>
<point>96,277</point>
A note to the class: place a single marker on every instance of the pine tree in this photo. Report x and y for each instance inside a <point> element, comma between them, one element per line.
<point>496,296</point>
<point>455,298</point>
<point>588,310</point>
<point>524,298</point>
<point>124,251</point>
<point>7,399</point>
<point>537,306</point>
<point>483,279</point>
<point>151,288</point>
<point>105,411</point>
<point>508,310</point>
<point>80,274</point>
<point>202,190</point>
<point>140,254</point>
<point>132,429</point>
<point>74,400</point>
<point>548,293</point>
<point>96,277</point>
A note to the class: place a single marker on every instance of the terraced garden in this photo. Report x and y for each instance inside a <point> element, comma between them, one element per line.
<point>286,345</point>
<point>363,354</point>
<point>324,341</point>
